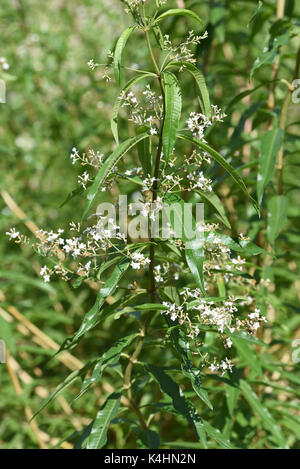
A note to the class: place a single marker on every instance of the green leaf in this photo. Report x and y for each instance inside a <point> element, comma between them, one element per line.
<point>148,439</point>
<point>64,385</point>
<point>256,12</point>
<point>144,152</point>
<point>277,216</point>
<point>221,160</point>
<point>194,255</point>
<point>232,394</point>
<point>270,145</point>
<point>182,346</point>
<point>98,435</point>
<point>150,307</point>
<point>79,190</point>
<point>180,403</point>
<point>118,102</point>
<point>107,166</point>
<point>200,80</point>
<point>269,52</point>
<point>267,420</point>
<point>121,43</point>
<point>213,200</point>
<point>194,249</point>
<point>177,12</point>
<point>112,355</point>
<point>92,317</point>
<point>215,434</point>
<point>242,335</point>
<point>247,354</point>
<point>173,111</point>
<point>158,36</point>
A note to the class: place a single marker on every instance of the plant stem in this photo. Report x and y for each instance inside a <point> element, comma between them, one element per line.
<point>156,169</point>
<point>152,290</point>
<point>282,125</point>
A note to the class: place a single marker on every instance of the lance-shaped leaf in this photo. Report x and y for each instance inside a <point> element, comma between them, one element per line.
<point>270,51</point>
<point>267,420</point>
<point>221,160</point>
<point>118,102</point>
<point>194,249</point>
<point>111,356</point>
<point>92,317</point>
<point>182,346</point>
<point>144,152</point>
<point>173,104</point>
<point>194,255</point>
<point>270,145</point>
<point>200,80</point>
<point>108,165</point>
<point>64,385</point>
<point>178,12</point>
<point>247,354</point>
<point>277,216</point>
<point>98,435</point>
<point>180,403</point>
<point>215,434</point>
<point>147,439</point>
<point>213,200</point>
<point>121,43</point>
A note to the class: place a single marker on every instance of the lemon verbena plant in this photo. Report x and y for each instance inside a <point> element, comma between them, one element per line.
<point>155,242</point>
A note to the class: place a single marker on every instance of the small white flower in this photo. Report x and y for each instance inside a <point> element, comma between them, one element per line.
<point>12,233</point>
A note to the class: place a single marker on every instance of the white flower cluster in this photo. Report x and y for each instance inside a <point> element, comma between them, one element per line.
<point>174,311</point>
<point>254,320</point>
<point>198,122</point>
<point>182,52</point>
<point>223,366</point>
<point>92,158</point>
<point>83,179</point>
<point>139,260</point>
<point>199,181</point>
<point>220,315</point>
<point>136,3</point>
<point>92,65</point>
<point>46,272</point>
<point>147,114</point>
<point>133,172</point>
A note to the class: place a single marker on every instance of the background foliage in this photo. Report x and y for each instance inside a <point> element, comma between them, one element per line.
<point>54,102</point>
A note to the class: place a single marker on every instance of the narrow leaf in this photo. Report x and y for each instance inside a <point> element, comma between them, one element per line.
<point>213,200</point>
<point>173,111</point>
<point>277,216</point>
<point>177,12</point>
<point>98,436</point>
<point>247,354</point>
<point>200,80</point>
<point>111,356</point>
<point>121,43</point>
<point>270,145</point>
<point>268,422</point>
<point>221,160</point>
<point>92,317</point>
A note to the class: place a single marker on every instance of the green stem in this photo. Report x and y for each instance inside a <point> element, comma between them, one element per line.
<point>145,326</point>
<point>156,169</point>
<point>282,125</point>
